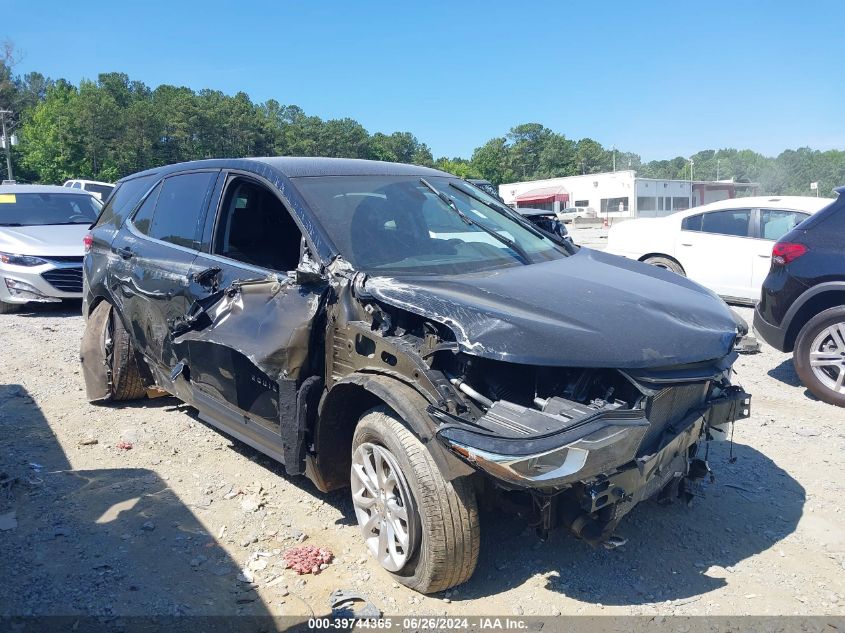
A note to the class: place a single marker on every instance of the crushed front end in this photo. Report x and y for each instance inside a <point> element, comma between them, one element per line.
<point>587,445</point>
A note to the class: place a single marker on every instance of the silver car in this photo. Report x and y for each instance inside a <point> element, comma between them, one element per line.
<point>41,249</point>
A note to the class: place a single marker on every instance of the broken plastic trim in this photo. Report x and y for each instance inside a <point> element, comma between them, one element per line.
<point>593,446</point>
<point>602,446</point>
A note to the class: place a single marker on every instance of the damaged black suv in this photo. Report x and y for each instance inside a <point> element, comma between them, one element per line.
<point>393,329</point>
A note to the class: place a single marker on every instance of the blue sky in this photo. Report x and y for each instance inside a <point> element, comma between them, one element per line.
<point>659,78</point>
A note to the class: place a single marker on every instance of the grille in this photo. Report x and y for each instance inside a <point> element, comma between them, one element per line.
<point>64,259</point>
<point>669,406</point>
<point>64,279</point>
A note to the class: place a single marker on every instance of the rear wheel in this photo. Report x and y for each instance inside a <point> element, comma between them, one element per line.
<point>421,528</point>
<point>666,262</point>
<point>126,383</point>
<point>819,357</point>
<point>8,308</point>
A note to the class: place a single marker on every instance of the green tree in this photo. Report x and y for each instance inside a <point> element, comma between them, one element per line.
<point>492,161</point>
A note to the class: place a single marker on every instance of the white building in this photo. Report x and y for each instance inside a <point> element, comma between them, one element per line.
<point>620,194</point>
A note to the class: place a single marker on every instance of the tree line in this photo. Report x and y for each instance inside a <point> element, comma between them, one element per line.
<point>114,126</point>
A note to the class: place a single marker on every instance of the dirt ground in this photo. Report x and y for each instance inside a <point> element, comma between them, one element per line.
<point>168,526</point>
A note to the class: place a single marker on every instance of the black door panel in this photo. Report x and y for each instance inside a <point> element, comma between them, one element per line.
<point>250,337</point>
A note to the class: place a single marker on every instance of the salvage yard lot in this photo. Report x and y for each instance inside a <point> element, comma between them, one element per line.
<point>166,526</point>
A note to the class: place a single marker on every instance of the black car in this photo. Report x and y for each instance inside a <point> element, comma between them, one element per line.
<point>545,220</point>
<point>391,329</point>
<point>802,306</point>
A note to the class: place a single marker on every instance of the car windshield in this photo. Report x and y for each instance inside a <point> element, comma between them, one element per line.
<point>37,209</point>
<point>396,225</point>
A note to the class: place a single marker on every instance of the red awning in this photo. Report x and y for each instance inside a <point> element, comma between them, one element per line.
<point>543,195</point>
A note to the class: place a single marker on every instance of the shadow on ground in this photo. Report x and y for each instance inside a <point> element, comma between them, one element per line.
<point>674,552</point>
<point>785,373</point>
<point>110,543</point>
<point>69,308</point>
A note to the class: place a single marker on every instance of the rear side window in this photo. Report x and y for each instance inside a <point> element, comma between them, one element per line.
<point>124,200</point>
<point>172,212</point>
<point>692,223</point>
<point>732,222</point>
<point>775,223</point>
<point>144,217</point>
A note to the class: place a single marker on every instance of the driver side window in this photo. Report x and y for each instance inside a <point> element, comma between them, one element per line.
<point>255,228</point>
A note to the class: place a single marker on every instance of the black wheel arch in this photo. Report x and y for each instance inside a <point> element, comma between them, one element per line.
<point>343,405</point>
<point>810,303</point>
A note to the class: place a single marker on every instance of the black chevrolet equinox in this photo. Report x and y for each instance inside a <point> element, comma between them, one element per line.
<point>802,306</point>
<point>397,331</point>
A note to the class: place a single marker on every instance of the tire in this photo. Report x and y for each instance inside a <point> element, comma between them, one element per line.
<point>126,383</point>
<point>443,515</point>
<point>823,334</point>
<point>667,263</point>
<point>8,308</point>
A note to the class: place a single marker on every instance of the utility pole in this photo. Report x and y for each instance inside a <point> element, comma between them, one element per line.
<point>691,163</point>
<point>7,143</point>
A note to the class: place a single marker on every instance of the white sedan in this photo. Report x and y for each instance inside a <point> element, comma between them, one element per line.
<point>725,246</point>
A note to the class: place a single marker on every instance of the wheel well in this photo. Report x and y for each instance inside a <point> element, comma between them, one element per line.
<point>338,416</point>
<point>332,439</point>
<point>663,255</point>
<point>97,301</point>
<point>811,308</point>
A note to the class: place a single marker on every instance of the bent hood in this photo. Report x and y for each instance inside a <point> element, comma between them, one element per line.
<point>587,310</point>
<point>44,240</point>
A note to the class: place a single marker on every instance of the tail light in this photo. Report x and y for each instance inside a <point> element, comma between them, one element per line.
<point>786,252</point>
<point>88,241</point>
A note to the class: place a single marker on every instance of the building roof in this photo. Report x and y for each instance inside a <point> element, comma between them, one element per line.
<point>543,195</point>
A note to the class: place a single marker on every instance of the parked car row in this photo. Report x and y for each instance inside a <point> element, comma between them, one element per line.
<point>786,255</point>
<point>41,233</point>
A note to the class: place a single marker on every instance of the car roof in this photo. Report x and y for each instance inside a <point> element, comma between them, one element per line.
<point>304,166</point>
<point>533,211</point>
<point>41,189</point>
<point>808,204</point>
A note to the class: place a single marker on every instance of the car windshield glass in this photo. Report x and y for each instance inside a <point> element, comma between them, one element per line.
<point>103,190</point>
<point>36,209</point>
<point>396,225</point>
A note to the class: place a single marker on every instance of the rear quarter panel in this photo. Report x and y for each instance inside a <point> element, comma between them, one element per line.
<point>636,238</point>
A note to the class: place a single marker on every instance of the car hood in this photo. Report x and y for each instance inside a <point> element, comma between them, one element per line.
<point>46,240</point>
<point>587,310</point>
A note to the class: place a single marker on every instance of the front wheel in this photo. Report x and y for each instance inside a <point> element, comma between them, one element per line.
<point>819,357</point>
<point>421,528</point>
<point>8,308</point>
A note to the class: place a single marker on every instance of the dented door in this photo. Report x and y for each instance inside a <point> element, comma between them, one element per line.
<point>249,337</point>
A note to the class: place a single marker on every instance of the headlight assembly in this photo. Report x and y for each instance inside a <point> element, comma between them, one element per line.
<point>21,260</point>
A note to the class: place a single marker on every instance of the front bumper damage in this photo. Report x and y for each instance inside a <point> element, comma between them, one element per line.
<point>602,461</point>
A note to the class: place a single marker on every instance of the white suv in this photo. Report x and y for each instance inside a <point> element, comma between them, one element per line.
<point>96,188</point>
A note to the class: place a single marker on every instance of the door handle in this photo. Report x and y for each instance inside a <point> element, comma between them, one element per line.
<point>764,256</point>
<point>125,252</point>
<point>686,244</point>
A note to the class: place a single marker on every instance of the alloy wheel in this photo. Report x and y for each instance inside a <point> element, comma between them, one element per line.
<point>827,357</point>
<point>384,506</point>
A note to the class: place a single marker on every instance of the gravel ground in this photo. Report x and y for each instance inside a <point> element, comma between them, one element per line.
<point>169,525</point>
